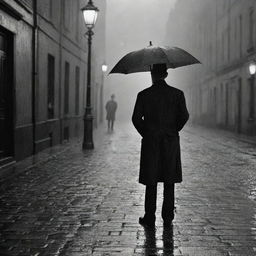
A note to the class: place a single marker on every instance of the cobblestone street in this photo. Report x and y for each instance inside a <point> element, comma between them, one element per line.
<point>77,203</point>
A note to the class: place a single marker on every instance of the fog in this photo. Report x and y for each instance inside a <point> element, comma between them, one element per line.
<point>130,26</point>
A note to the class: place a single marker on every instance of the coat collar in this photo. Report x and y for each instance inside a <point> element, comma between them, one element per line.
<point>159,83</point>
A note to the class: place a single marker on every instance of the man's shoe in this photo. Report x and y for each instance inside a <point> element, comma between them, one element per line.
<point>144,222</point>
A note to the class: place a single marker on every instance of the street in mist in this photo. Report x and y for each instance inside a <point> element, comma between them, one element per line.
<point>69,180</point>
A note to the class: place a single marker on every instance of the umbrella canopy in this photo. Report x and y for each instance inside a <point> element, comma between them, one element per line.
<point>142,60</point>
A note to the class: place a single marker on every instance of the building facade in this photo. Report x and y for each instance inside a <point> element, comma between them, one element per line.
<point>222,35</point>
<point>43,52</point>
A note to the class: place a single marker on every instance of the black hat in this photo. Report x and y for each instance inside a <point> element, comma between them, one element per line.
<point>159,68</point>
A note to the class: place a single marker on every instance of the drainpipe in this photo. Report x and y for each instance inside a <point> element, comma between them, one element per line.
<point>60,71</point>
<point>34,73</point>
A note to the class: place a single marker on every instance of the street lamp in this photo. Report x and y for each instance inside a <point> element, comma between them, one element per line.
<point>90,13</point>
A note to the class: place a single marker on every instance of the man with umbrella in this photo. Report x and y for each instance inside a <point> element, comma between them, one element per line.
<point>159,114</point>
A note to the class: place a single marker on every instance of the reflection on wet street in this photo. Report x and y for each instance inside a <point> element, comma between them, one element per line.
<point>158,238</point>
<point>73,203</point>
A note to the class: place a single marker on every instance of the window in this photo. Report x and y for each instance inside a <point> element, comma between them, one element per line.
<point>51,81</point>
<point>77,28</point>
<point>228,42</point>
<point>241,35</point>
<point>77,89</point>
<point>66,133</point>
<point>227,105</point>
<point>51,9</point>
<point>2,42</point>
<point>235,48</point>
<point>215,101</point>
<point>66,14</point>
<point>223,46</point>
<point>222,103</point>
<point>251,100</point>
<point>239,113</point>
<point>251,28</point>
<point>66,88</point>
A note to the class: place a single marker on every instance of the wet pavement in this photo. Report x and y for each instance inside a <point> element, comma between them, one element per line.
<point>75,203</point>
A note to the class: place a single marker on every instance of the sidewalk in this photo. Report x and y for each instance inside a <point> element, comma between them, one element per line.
<point>233,135</point>
<point>47,155</point>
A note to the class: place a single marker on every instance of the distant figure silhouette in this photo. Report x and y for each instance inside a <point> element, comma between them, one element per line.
<point>111,108</point>
<point>159,114</point>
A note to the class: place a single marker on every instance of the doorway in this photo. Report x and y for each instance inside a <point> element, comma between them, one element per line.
<point>6,95</point>
<point>239,110</point>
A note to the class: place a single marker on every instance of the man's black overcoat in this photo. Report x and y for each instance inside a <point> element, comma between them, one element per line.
<point>111,107</point>
<point>159,114</point>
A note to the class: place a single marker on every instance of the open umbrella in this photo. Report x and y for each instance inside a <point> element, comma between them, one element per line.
<point>142,60</point>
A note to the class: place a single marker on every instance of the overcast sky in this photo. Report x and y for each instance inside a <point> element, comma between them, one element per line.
<point>130,26</point>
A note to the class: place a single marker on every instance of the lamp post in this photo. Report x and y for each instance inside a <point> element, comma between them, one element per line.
<point>252,70</point>
<point>90,13</point>
<point>104,69</point>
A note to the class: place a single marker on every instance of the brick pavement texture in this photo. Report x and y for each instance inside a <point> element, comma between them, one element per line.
<point>88,203</point>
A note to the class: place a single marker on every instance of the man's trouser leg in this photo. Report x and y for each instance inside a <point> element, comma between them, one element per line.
<point>150,203</point>
<point>168,203</point>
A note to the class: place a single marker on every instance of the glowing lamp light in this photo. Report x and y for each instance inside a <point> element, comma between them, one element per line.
<point>104,68</point>
<point>90,13</point>
<point>252,68</point>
